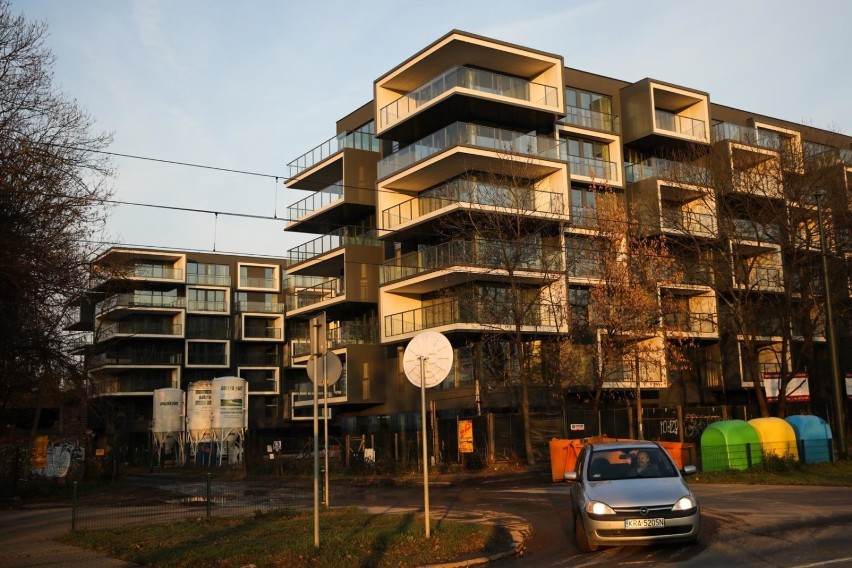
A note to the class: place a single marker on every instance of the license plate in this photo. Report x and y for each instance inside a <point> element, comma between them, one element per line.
<point>644,523</point>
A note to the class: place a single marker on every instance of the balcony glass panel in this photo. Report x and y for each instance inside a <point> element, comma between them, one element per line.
<point>316,201</point>
<point>821,155</point>
<point>498,255</point>
<point>478,193</point>
<point>666,169</point>
<point>691,322</point>
<point>587,118</point>
<point>260,307</point>
<point>461,133</point>
<point>339,334</point>
<point>474,312</point>
<point>750,230</point>
<point>325,289</point>
<point>690,222</point>
<point>748,135</point>
<point>593,167</point>
<point>139,328</point>
<point>468,78</point>
<point>685,125</point>
<point>136,382</point>
<point>262,332</point>
<point>359,139</point>
<point>758,277</point>
<point>342,237</point>
<point>141,301</point>
<point>157,271</point>
<point>137,357</point>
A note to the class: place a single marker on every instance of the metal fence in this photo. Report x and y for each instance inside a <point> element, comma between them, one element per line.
<point>153,499</point>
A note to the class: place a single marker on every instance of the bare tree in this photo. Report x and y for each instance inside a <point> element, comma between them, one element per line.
<point>52,191</point>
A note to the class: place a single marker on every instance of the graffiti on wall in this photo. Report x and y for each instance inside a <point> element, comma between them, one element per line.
<point>57,459</point>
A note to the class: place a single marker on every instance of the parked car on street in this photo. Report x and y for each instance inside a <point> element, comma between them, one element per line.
<point>631,492</point>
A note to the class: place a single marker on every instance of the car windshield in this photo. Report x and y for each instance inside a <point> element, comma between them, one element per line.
<point>627,463</point>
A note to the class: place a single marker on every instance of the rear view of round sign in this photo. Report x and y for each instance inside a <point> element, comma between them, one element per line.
<point>326,366</point>
<point>430,354</point>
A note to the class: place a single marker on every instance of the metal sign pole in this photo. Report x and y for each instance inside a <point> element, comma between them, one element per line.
<point>316,458</point>
<point>425,448</point>
<point>327,501</point>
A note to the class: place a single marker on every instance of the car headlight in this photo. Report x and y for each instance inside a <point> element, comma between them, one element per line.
<point>598,508</point>
<point>685,504</point>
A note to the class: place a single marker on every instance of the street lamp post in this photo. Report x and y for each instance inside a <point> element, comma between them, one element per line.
<point>839,422</point>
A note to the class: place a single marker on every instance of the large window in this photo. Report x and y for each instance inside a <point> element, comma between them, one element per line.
<point>589,110</point>
<point>584,148</point>
<point>207,327</point>
<point>207,353</point>
<point>204,300</point>
<point>588,101</point>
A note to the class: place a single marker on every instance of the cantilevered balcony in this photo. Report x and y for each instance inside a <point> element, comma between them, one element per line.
<point>140,328</point>
<point>342,237</point>
<point>480,80</point>
<point>140,301</point>
<point>748,135</point>
<point>475,136</point>
<point>316,201</point>
<point>692,323</point>
<point>136,357</point>
<point>585,118</point>
<point>685,125</point>
<point>600,170</point>
<point>359,140</point>
<point>484,256</point>
<point>303,291</point>
<point>657,114</point>
<point>474,315</point>
<point>669,170</point>
<point>821,155</point>
<point>762,278</point>
<point>464,193</point>
<point>259,307</point>
<point>340,334</point>
<point>681,220</point>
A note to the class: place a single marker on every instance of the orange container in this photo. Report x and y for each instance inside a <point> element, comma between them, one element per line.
<point>681,453</point>
<point>563,454</point>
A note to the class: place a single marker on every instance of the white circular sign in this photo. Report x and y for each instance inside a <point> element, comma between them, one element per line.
<point>432,352</point>
<point>326,366</point>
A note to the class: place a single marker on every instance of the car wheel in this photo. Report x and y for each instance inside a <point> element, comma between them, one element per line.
<point>581,536</point>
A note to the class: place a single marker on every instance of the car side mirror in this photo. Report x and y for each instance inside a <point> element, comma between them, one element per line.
<point>689,469</point>
<point>570,476</point>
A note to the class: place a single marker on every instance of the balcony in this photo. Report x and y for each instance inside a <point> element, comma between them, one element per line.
<point>131,383</point>
<point>140,328</point>
<point>689,272</point>
<point>474,313</point>
<point>595,120</point>
<point>681,172</point>
<point>260,332</point>
<point>746,230</point>
<point>136,357</point>
<point>821,155</point>
<point>260,307</point>
<point>469,192</point>
<point>262,283</point>
<point>359,140</point>
<point>345,236</point>
<point>671,122</point>
<point>316,201</point>
<point>323,290</point>
<point>468,78</point>
<point>258,359</point>
<point>209,279</point>
<point>345,333</point>
<point>688,222</point>
<point>484,254</point>
<point>474,135</point>
<point>593,168</point>
<point>748,135</point>
<point>758,277</point>
<point>207,306</point>
<point>129,301</point>
<point>758,184</point>
<point>691,322</point>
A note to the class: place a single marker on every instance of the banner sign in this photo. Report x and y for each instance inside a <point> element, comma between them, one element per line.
<point>797,387</point>
<point>466,436</point>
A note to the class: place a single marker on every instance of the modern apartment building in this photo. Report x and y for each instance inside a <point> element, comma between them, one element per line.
<point>475,196</point>
<point>164,319</point>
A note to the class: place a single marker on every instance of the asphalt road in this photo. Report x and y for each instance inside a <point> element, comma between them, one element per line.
<point>743,525</point>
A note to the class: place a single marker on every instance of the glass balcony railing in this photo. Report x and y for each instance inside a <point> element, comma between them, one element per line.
<point>586,118</point>
<point>685,125</point>
<point>157,272</point>
<point>465,134</point>
<point>666,169</point>
<point>342,335</point>
<point>207,359</point>
<point>136,357</point>
<point>358,139</point>
<point>262,332</point>
<point>140,301</point>
<point>758,184</point>
<point>593,168</point>
<point>691,272</point>
<point>748,135</point>
<point>489,254</point>
<point>139,328</point>
<point>130,383</point>
<point>690,222</point>
<point>209,279</point>
<point>759,277</point>
<point>345,236</point>
<point>468,78</point>
<point>821,155</point>
<point>745,229</point>
<point>473,192</point>
<point>691,322</point>
<point>474,312</point>
<point>260,307</point>
<point>316,201</point>
<point>206,306</point>
<point>259,282</point>
<point>325,289</point>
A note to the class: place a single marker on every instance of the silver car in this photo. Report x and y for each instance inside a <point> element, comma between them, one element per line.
<point>631,492</point>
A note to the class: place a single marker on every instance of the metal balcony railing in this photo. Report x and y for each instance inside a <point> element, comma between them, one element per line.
<point>586,118</point>
<point>475,312</point>
<point>358,139</point>
<point>489,254</point>
<point>477,193</point>
<point>466,134</point>
<point>468,78</point>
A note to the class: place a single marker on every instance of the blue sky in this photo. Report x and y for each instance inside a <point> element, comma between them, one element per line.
<point>251,85</point>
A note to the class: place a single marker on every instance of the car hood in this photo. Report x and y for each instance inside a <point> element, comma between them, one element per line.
<point>637,492</point>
